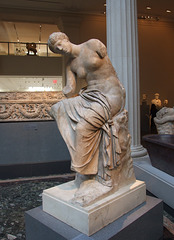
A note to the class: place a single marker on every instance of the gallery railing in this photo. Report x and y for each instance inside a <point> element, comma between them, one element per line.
<point>25,48</point>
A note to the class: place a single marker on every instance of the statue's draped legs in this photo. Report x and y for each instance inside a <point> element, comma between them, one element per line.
<point>87,128</point>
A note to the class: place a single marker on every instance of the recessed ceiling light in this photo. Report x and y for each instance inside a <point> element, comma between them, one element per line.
<point>168,11</point>
<point>105,4</point>
<point>148,8</point>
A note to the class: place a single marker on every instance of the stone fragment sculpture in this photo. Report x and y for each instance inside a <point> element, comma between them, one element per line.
<point>93,124</point>
<point>164,121</point>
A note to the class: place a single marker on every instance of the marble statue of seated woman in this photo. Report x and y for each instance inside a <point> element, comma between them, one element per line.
<point>94,123</point>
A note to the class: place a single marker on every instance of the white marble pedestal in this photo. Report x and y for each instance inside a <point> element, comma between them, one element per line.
<point>90,219</point>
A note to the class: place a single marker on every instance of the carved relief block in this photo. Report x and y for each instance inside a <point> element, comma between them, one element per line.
<point>27,106</point>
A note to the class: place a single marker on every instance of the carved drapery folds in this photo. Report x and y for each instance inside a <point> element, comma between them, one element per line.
<point>27,106</point>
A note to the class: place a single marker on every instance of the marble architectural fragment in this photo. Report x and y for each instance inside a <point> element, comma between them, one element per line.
<point>164,121</point>
<point>27,106</point>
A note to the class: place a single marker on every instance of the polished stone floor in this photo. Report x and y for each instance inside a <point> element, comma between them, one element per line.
<point>18,196</point>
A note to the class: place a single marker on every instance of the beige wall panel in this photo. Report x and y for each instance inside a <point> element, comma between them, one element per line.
<point>156,52</point>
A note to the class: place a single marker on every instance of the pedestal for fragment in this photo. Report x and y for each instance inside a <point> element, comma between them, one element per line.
<point>92,218</point>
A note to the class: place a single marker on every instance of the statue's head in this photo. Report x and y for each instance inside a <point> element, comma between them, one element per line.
<point>166,102</point>
<point>58,42</point>
<point>156,95</point>
<point>54,37</point>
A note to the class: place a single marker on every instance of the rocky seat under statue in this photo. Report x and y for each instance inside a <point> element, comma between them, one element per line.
<point>93,124</point>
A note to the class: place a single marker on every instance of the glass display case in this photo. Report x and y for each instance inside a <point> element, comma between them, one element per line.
<point>30,83</point>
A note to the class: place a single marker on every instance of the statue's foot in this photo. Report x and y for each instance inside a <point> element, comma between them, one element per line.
<point>81,178</point>
<point>89,192</point>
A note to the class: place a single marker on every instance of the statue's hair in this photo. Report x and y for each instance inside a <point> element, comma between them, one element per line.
<point>54,37</point>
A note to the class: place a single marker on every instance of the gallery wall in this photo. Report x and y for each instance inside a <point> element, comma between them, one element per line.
<point>156,54</point>
<point>31,149</point>
<point>31,142</point>
<point>93,27</point>
<point>30,65</point>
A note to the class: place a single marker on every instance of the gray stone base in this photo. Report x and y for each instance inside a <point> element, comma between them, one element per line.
<point>145,222</point>
<point>159,183</point>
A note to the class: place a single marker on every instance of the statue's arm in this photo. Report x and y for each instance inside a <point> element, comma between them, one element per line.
<point>70,87</point>
<point>97,46</point>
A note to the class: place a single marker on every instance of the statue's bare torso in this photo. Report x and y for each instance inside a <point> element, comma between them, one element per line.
<point>92,64</point>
